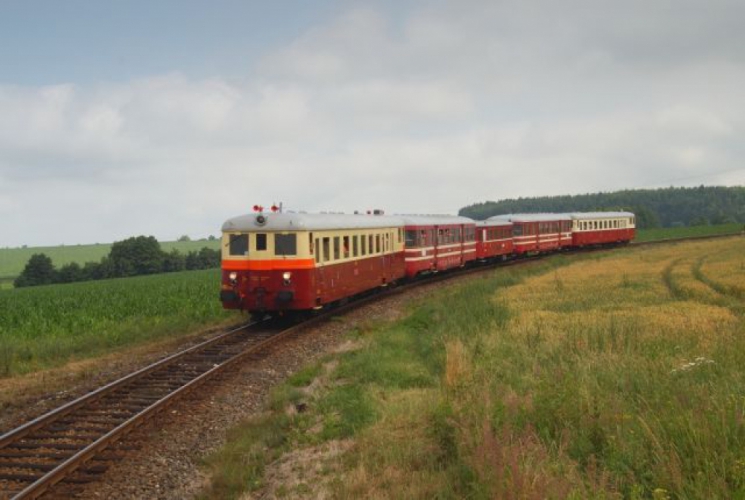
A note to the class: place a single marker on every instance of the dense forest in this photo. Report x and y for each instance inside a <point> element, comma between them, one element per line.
<point>666,207</point>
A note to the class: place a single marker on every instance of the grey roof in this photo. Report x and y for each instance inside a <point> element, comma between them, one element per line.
<point>438,220</point>
<point>310,222</point>
<point>599,215</point>
<point>530,217</point>
<point>493,223</point>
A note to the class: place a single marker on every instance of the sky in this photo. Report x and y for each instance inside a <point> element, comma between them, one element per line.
<point>168,117</point>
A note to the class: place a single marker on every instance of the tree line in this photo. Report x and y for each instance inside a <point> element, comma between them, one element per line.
<point>667,207</point>
<point>131,257</point>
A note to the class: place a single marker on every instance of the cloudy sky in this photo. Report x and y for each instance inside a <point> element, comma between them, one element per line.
<point>167,117</point>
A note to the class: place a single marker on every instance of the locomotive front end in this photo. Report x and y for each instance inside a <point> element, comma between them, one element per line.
<point>267,265</point>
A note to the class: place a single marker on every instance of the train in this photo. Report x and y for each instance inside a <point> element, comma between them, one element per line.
<point>280,263</point>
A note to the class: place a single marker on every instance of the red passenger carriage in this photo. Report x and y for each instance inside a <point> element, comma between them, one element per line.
<point>493,239</point>
<point>436,243</point>
<point>538,232</point>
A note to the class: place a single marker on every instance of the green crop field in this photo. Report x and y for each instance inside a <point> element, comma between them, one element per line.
<point>609,375</point>
<point>13,260</point>
<point>48,325</point>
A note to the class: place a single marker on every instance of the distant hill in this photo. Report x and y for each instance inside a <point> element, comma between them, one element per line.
<point>12,260</point>
<point>667,207</point>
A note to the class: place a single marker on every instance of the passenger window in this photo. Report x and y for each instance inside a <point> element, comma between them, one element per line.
<point>326,249</point>
<point>363,241</point>
<point>345,246</point>
<point>318,253</point>
<point>238,244</point>
<point>371,246</point>
<point>337,253</point>
<point>310,242</point>
<point>260,241</point>
<point>410,239</point>
<point>355,245</point>
<point>285,244</point>
<point>377,243</point>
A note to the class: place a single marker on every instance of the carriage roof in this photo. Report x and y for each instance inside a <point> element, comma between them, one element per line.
<point>599,215</point>
<point>544,217</point>
<point>309,222</point>
<point>435,220</point>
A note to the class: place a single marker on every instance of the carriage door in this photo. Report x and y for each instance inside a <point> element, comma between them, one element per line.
<point>462,237</point>
<point>323,255</point>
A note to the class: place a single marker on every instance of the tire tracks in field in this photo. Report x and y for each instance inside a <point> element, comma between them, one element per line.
<point>676,292</point>
<point>731,296</point>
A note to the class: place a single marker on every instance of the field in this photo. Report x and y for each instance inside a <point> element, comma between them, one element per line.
<point>605,375</point>
<point>664,233</point>
<point>13,260</point>
<point>49,325</point>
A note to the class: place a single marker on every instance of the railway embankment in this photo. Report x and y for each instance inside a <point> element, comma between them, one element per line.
<point>604,375</point>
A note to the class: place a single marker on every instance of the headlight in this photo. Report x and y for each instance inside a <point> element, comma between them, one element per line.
<point>286,276</point>
<point>233,276</point>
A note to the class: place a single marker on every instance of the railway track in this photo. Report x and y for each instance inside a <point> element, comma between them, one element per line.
<point>60,444</point>
<point>77,441</point>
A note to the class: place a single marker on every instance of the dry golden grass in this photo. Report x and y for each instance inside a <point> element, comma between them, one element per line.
<point>457,364</point>
<point>624,291</point>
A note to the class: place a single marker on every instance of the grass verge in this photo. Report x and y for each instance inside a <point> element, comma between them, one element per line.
<point>601,376</point>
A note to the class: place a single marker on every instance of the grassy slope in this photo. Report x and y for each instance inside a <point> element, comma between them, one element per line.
<point>599,376</point>
<point>48,325</point>
<point>12,260</point>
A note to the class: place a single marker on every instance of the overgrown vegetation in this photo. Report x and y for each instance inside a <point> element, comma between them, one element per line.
<point>668,207</point>
<point>614,375</point>
<point>48,325</point>
<point>134,256</point>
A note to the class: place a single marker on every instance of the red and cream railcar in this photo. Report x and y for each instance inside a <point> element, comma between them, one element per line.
<point>436,243</point>
<point>273,263</point>
<point>602,228</point>
<point>493,239</point>
<point>538,232</point>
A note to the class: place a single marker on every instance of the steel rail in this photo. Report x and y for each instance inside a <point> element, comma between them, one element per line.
<point>90,397</point>
<point>37,488</point>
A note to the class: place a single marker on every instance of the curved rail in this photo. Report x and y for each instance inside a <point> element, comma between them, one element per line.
<point>42,452</point>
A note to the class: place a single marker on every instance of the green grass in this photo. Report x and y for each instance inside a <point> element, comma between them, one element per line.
<point>13,260</point>
<point>48,325</point>
<point>684,232</point>
<point>614,375</point>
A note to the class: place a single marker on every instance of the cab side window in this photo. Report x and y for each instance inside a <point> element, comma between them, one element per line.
<point>285,244</point>
<point>238,244</point>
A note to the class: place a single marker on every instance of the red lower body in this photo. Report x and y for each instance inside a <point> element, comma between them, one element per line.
<point>268,291</point>
<point>602,237</point>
